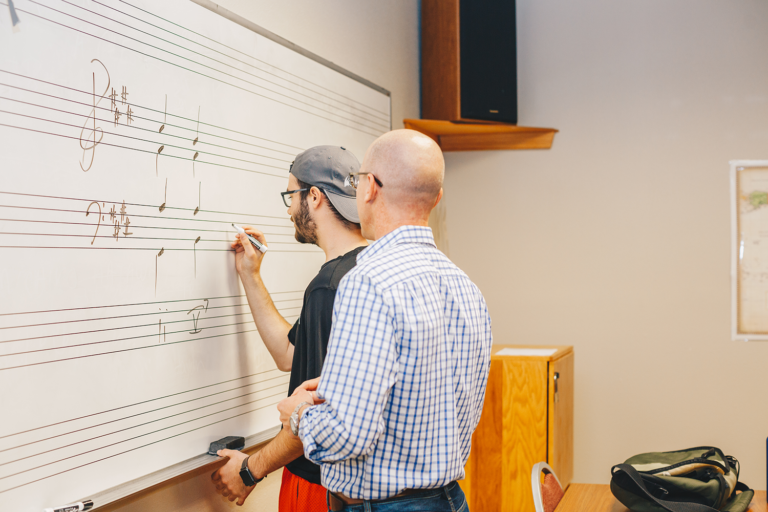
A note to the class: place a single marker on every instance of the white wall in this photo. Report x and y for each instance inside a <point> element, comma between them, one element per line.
<point>376,40</point>
<point>616,240</point>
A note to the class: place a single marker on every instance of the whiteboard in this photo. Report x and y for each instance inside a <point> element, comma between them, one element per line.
<point>132,133</point>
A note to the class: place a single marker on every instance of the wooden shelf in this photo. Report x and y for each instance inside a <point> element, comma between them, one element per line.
<point>476,137</point>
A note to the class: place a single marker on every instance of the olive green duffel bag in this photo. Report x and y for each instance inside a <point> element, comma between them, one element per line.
<point>699,479</point>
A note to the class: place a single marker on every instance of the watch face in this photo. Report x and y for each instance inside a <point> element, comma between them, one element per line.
<point>246,475</point>
<point>247,478</point>
<point>294,427</point>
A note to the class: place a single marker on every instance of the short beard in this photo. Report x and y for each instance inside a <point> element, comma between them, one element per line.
<point>306,231</point>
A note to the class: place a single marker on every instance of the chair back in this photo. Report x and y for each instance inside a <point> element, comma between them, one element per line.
<point>547,491</point>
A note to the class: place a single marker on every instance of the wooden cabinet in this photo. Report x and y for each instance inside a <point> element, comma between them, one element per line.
<point>527,418</point>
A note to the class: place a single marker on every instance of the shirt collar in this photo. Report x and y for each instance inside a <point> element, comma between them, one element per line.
<point>401,235</point>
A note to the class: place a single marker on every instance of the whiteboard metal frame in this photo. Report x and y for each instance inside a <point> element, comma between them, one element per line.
<point>126,489</point>
<point>736,166</point>
<point>236,18</point>
<point>145,482</point>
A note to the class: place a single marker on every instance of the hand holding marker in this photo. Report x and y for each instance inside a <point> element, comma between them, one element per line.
<point>258,245</point>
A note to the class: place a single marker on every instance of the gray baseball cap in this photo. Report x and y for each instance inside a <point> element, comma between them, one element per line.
<point>327,167</point>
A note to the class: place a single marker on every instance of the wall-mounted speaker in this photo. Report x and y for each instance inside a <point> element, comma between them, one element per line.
<point>469,60</point>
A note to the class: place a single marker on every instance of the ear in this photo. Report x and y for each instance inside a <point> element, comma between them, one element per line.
<point>372,190</point>
<point>439,197</point>
<point>315,198</point>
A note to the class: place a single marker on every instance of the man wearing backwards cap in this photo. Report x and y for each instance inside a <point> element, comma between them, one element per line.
<point>324,212</point>
<point>402,389</point>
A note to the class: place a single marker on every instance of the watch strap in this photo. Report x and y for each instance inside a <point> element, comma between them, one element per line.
<point>247,476</point>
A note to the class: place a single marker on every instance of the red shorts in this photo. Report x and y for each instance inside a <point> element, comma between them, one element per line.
<point>299,495</point>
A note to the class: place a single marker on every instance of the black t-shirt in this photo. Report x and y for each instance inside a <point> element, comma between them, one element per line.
<point>309,336</point>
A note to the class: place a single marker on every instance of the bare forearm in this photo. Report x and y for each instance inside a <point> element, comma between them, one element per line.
<point>283,449</point>
<point>273,328</point>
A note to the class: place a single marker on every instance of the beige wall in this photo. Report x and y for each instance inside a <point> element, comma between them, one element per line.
<point>376,40</point>
<point>617,239</point>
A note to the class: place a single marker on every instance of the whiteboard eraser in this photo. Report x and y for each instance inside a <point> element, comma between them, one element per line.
<point>227,443</point>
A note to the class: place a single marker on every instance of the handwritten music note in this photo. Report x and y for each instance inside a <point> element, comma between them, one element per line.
<point>194,252</point>
<point>160,150</point>
<point>162,250</point>
<point>160,332</point>
<point>87,144</point>
<point>165,115</point>
<point>197,137</point>
<point>165,118</point>
<point>165,199</point>
<point>199,188</point>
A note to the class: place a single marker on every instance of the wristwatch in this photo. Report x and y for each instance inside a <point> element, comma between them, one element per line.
<point>295,418</point>
<point>246,476</point>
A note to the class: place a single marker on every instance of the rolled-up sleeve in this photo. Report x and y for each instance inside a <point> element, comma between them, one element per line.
<point>357,377</point>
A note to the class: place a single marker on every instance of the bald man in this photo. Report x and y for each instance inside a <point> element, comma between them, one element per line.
<point>402,388</point>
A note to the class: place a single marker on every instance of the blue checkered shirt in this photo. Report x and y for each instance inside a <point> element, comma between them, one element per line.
<point>405,375</point>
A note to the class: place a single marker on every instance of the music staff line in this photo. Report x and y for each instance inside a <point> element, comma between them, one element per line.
<point>153,153</point>
<point>154,249</point>
<point>140,414</point>
<point>244,89</point>
<point>139,447</point>
<point>138,215</point>
<point>238,51</point>
<point>289,153</point>
<point>156,227</point>
<point>155,345</point>
<point>142,227</point>
<point>133,237</point>
<point>282,217</point>
<point>139,238</point>
<point>152,303</point>
<point>362,121</point>
<point>139,403</point>
<point>340,104</point>
<point>132,126</point>
<point>166,312</point>
<point>185,320</point>
<point>154,144</point>
<point>26,457</point>
<point>128,338</point>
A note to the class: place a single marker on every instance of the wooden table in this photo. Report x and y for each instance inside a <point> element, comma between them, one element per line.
<point>598,498</point>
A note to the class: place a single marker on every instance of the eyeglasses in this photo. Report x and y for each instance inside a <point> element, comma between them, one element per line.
<point>288,196</point>
<point>353,180</point>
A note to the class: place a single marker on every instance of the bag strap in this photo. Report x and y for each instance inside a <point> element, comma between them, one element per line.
<point>670,506</point>
<point>741,486</point>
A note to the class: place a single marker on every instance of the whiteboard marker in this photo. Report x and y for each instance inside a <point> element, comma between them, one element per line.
<point>258,245</point>
<point>74,507</point>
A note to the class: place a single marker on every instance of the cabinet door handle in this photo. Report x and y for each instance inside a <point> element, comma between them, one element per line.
<point>557,394</point>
